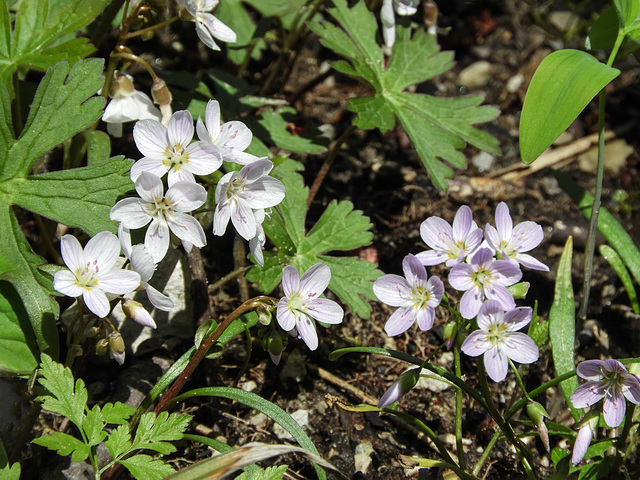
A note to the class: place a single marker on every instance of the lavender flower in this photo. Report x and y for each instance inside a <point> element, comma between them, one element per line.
<point>450,245</point>
<point>484,278</point>
<point>164,211</point>
<point>401,387</point>
<point>240,194</point>
<point>610,380</point>
<point>417,296</point>
<point>300,304</point>
<point>587,431</point>
<point>512,241</point>
<point>229,139</point>
<point>498,339</point>
<point>208,27</point>
<point>168,149</point>
<point>92,272</point>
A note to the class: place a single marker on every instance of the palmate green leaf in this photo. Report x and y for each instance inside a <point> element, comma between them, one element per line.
<point>93,424</point>
<point>119,442</point>
<point>65,445</point>
<point>41,36</point>
<point>117,413</point>
<point>18,348</point>
<point>64,104</point>
<point>64,398</point>
<point>339,228</point>
<point>564,83</point>
<point>438,127</point>
<point>144,467</point>
<point>269,473</point>
<point>7,471</point>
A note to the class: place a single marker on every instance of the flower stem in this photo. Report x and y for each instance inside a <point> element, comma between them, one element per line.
<point>458,369</point>
<point>487,451</point>
<point>519,379</point>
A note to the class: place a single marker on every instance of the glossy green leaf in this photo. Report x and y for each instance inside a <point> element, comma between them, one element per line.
<point>439,127</point>
<point>271,410</point>
<point>627,11</point>
<point>562,325</point>
<point>608,226</point>
<point>603,33</point>
<point>18,348</point>
<point>564,83</point>
<point>610,255</point>
<point>64,444</point>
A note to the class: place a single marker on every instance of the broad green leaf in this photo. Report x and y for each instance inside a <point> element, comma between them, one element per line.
<point>98,146</point>
<point>275,123</point>
<point>18,348</point>
<point>65,445</point>
<point>270,409</point>
<point>92,424</point>
<point>233,14</point>
<point>339,228</point>
<point>64,398</point>
<point>564,83</point>
<point>608,226</point>
<point>64,104</point>
<point>287,11</point>
<point>610,255</point>
<point>438,127</point>
<point>562,325</point>
<point>119,441</point>
<point>42,35</point>
<point>57,195</point>
<point>144,467</point>
<point>627,11</point>
<point>603,33</point>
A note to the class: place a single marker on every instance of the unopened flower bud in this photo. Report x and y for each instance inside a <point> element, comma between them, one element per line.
<point>275,346</point>
<point>160,92</point>
<point>136,312</point>
<point>116,347</point>
<point>450,333</point>
<point>588,425</point>
<point>264,314</point>
<point>519,290</point>
<point>537,414</point>
<point>102,346</point>
<point>403,385</point>
<point>121,85</point>
<point>93,332</point>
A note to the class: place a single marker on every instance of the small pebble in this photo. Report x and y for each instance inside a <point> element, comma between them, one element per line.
<point>475,75</point>
<point>301,417</point>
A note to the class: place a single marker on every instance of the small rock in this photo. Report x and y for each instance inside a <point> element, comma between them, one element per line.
<point>475,75</point>
<point>514,83</point>
<point>483,161</point>
<point>564,138</point>
<point>259,420</point>
<point>550,186</point>
<point>301,417</point>
<point>563,20</point>
<point>362,457</point>
<point>249,386</point>
<point>616,153</point>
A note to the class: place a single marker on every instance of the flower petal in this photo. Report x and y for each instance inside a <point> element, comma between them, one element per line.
<point>157,240</point>
<point>96,301</point>
<point>504,224</point>
<point>392,289</point>
<point>119,282</point>
<point>158,299</point>
<point>614,408</point>
<point>437,233</point>
<point>103,251</point>
<point>471,302</point>
<point>495,361</point>
<point>307,331</point>
<point>520,348</point>
<point>325,311</point>
<point>151,138</point>
<point>186,196</point>
<point>149,165</point>
<point>400,321</point>
<point>475,344</point>
<point>285,316</point>
<point>591,369</point>
<point>130,212</point>
<point>180,129</point>
<point>425,317</point>
<point>290,281</point>
<point>66,283</point>
<point>72,253</point>
<point>188,229</point>
<point>315,280</point>
<point>414,271</point>
<point>587,394</point>
<point>462,223</point>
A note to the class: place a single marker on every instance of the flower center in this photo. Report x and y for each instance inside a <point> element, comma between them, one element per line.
<point>420,296</point>
<point>235,189</point>
<point>481,277</point>
<point>161,209</point>
<point>296,302</point>
<point>176,158</point>
<point>496,333</point>
<point>87,277</point>
<point>614,382</point>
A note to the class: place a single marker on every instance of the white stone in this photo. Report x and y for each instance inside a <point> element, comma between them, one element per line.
<point>301,417</point>
<point>475,75</point>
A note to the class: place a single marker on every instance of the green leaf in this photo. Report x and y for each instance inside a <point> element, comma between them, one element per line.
<point>155,433</point>
<point>18,348</point>
<point>57,195</point>
<point>610,255</point>
<point>117,413</point>
<point>271,410</point>
<point>42,35</point>
<point>275,123</point>
<point>269,473</point>
<point>65,445</point>
<point>339,228</point>
<point>64,398</point>
<point>64,104</point>
<point>144,467</point>
<point>98,145</point>
<point>562,326</point>
<point>438,127</point>
<point>93,424</point>
<point>119,441</point>
<point>627,11</point>
<point>564,83</point>
<point>8,472</point>
<point>603,33</point>
<point>608,226</point>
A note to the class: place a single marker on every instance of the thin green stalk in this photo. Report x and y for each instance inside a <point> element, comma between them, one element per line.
<point>597,195</point>
<point>519,380</point>
<point>487,451</point>
<point>458,369</point>
<point>526,457</point>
